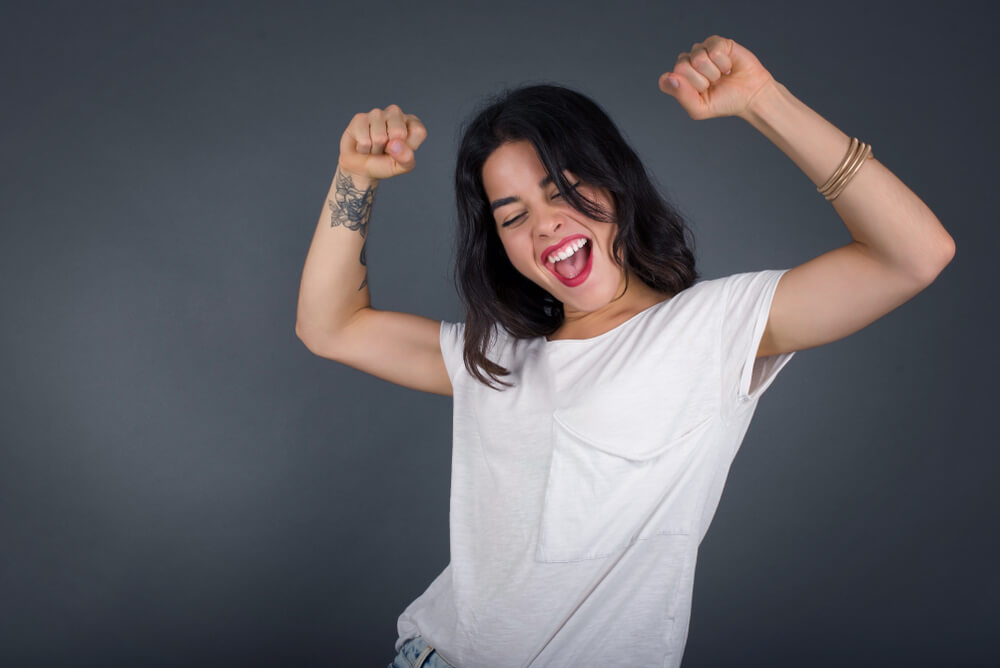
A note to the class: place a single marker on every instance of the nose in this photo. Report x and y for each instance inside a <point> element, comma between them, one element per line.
<point>549,222</point>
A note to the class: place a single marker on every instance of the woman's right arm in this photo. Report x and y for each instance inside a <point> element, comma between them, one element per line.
<point>335,318</point>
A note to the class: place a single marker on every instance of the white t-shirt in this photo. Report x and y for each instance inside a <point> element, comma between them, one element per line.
<point>580,495</point>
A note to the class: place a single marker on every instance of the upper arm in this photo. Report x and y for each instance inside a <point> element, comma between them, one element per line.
<point>398,347</point>
<point>832,296</point>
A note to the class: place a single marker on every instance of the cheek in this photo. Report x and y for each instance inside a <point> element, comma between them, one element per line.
<point>608,242</point>
<point>520,255</point>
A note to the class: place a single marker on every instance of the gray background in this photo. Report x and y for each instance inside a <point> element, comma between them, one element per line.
<point>183,483</point>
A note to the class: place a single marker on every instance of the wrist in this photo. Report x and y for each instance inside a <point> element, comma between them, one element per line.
<point>360,181</point>
<point>764,102</point>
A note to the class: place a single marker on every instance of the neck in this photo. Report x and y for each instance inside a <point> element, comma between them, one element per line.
<point>586,324</point>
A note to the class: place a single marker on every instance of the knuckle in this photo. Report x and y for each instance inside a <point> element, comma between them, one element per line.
<point>414,130</point>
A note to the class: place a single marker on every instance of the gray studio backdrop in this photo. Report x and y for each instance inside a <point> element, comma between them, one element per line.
<point>183,483</point>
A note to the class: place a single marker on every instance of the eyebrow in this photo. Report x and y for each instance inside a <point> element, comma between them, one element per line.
<point>507,200</point>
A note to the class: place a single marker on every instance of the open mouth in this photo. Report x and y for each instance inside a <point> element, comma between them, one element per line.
<point>571,263</point>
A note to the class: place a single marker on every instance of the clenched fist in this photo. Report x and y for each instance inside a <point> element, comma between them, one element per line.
<point>380,144</point>
<point>717,77</point>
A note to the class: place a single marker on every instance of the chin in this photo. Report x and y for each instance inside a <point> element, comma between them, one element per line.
<point>591,295</point>
<point>597,296</point>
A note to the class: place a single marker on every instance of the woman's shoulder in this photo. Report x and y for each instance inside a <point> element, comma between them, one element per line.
<point>499,340</point>
<point>720,287</point>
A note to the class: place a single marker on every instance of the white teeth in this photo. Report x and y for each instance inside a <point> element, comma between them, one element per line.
<point>568,251</point>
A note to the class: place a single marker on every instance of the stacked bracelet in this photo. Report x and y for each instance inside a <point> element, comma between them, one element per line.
<point>849,166</point>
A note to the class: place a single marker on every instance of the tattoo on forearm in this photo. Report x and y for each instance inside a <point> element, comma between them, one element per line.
<point>352,208</point>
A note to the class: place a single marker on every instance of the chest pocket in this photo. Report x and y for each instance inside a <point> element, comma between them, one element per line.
<point>625,466</point>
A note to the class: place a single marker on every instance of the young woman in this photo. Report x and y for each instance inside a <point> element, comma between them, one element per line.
<point>600,389</point>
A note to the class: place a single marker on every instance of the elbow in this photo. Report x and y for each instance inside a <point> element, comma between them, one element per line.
<point>301,337</point>
<point>946,253</point>
<point>949,251</point>
<point>943,256</point>
<point>307,340</point>
<point>321,343</point>
<point>330,341</point>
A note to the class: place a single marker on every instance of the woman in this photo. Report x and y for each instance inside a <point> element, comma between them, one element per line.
<point>600,390</point>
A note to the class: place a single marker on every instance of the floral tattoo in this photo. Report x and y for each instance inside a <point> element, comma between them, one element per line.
<point>352,208</point>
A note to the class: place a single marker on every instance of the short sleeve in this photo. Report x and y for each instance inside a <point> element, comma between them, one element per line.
<point>452,338</point>
<point>746,305</point>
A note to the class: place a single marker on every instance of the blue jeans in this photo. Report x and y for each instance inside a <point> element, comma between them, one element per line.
<point>416,653</point>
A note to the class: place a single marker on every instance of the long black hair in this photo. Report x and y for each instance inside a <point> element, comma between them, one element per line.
<point>568,131</point>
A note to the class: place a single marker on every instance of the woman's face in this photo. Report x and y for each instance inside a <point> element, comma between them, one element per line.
<point>540,230</point>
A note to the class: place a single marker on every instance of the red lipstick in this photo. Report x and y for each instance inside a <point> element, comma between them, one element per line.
<point>584,273</point>
<point>557,246</point>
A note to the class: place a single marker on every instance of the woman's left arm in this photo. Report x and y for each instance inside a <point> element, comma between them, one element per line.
<point>899,246</point>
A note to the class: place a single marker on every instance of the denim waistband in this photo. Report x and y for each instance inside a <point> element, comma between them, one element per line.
<point>421,655</point>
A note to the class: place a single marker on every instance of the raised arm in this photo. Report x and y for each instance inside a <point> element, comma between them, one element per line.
<point>335,318</point>
<point>898,245</point>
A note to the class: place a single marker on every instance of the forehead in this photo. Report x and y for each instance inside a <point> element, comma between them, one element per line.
<point>513,168</point>
<point>513,163</point>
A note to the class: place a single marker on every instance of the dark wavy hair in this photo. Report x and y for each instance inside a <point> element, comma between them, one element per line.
<point>568,131</point>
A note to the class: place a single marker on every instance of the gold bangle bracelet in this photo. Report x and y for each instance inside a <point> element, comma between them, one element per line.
<point>849,164</point>
<point>834,195</point>
<point>857,153</point>
<point>851,173</point>
<point>843,163</point>
<point>852,166</point>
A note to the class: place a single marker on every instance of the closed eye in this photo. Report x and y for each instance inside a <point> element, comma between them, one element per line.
<point>557,194</point>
